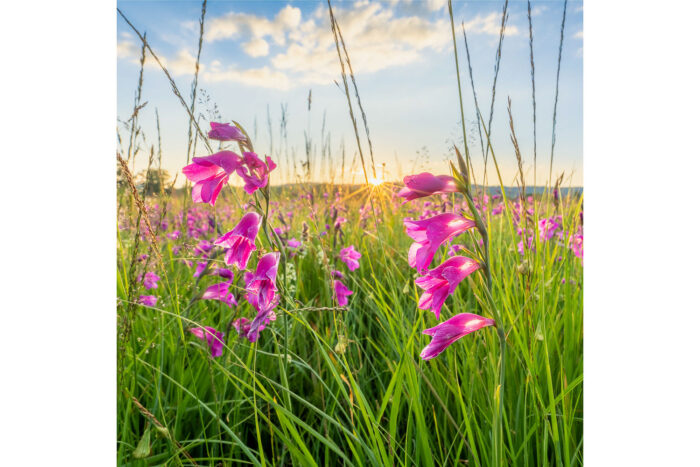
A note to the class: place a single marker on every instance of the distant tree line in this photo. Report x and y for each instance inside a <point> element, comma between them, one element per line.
<point>154,181</point>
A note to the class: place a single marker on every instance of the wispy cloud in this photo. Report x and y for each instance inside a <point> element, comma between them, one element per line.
<point>300,50</point>
<point>236,25</point>
<point>257,47</point>
<point>182,64</point>
<point>263,77</point>
<point>489,24</point>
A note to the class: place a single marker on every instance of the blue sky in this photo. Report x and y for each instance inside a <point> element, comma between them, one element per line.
<point>264,54</point>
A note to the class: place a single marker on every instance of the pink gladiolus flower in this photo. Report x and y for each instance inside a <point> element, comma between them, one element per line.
<point>426,184</point>
<point>199,269</point>
<point>150,280</point>
<point>262,293</point>
<point>148,300</point>
<point>293,243</point>
<point>454,249</point>
<point>223,273</point>
<point>429,234</point>
<point>350,257</point>
<point>576,245</point>
<point>225,132</point>
<point>337,274</point>
<point>442,281</point>
<point>258,324</point>
<point>240,242</point>
<point>261,288</point>
<point>341,292</point>
<point>521,245</point>
<point>242,326</point>
<point>220,292</point>
<point>214,338</point>
<point>547,228</point>
<point>203,248</point>
<point>210,174</point>
<point>444,334</point>
<point>255,172</point>
<point>338,222</point>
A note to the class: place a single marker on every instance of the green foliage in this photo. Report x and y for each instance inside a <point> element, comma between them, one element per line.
<point>153,180</point>
<point>348,386</point>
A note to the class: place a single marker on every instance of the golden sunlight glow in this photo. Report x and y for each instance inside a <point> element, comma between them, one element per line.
<point>375,181</point>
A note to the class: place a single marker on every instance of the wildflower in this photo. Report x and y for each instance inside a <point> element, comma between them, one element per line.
<point>174,235</point>
<point>429,234</point>
<point>576,245</point>
<point>454,249</point>
<point>210,174</point>
<point>442,281</point>
<point>259,324</point>
<point>220,292</point>
<point>203,248</point>
<point>225,132</point>
<point>521,246</point>
<point>293,243</point>
<point>426,184</point>
<point>337,274</point>
<point>242,326</point>
<point>255,172</point>
<point>497,210</point>
<point>150,280</point>
<point>350,257</point>
<point>223,273</point>
<point>260,286</point>
<point>338,223</point>
<point>547,228</point>
<point>341,292</point>
<point>262,293</point>
<point>240,242</point>
<point>199,269</point>
<point>446,333</point>
<point>214,338</point>
<point>148,300</point>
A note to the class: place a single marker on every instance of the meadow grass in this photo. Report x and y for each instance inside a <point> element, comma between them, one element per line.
<point>326,384</point>
<point>353,387</point>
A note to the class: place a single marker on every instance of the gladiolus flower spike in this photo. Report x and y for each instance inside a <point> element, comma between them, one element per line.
<point>429,234</point>
<point>446,333</point>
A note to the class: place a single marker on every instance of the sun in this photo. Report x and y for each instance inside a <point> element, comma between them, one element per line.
<point>375,181</point>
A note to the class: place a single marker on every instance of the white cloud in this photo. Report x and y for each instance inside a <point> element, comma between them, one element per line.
<point>263,77</point>
<point>489,24</point>
<point>538,10</point>
<point>289,17</point>
<point>127,49</point>
<point>579,34</point>
<point>234,25</point>
<point>377,35</point>
<point>256,47</point>
<point>434,5</point>
<point>183,63</point>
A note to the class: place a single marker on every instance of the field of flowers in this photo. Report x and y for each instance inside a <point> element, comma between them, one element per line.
<point>432,320</point>
<point>428,322</point>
